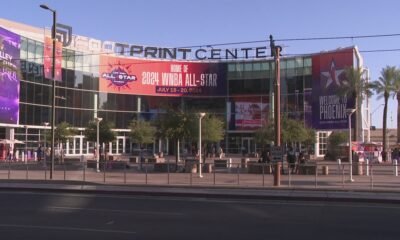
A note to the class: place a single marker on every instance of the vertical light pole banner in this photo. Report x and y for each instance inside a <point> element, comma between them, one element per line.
<point>10,45</point>
<point>47,53</point>
<point>328,73</point>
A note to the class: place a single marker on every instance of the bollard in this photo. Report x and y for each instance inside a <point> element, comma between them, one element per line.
<point>190,179</point>
<point>367,167</point>
<point>45,172</point>
<point>64,172</point>
<point>230,163</point>
<point>395,168</point>
<point>27,177</point>
<point>339,162</point>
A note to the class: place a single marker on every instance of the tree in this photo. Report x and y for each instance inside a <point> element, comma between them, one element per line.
<point>142,132</point>
<point>292,131</point>
<point>265,135</point>
<point>105,132</point>
<point>212,129</point>
<point>384,86</point>
<point>175,125</point>
<point>396,93</point>
<point>62,132</point>
<point>357,88</point>
<point>335,140</point>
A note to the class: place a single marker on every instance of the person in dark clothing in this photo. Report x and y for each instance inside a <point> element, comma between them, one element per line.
<point>291,157</point>
<point>39,153</point>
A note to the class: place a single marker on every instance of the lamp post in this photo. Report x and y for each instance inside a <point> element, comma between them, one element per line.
<point>349,112</point>
<point>46,124</point>
<point>201,115</point>
<point>53,97</point>
<point>98,120</point>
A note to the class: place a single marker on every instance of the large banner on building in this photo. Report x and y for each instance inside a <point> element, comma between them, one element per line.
<point>10,44</point>
<point>161,78</point>
<point>328,106</point>
<point>48,59</point>
<point>247,113</point>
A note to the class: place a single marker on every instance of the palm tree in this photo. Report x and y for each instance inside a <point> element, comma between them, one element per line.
<point>384,86</point>
<point>396,93</point>
<point>356,87</point>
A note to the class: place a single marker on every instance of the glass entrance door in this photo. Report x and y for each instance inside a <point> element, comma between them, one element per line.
<point>248,146</point>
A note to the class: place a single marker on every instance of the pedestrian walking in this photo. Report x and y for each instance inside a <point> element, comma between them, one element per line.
<point>39,153</point>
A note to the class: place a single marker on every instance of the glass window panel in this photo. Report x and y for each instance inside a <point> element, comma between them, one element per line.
<point>39,53</point>
<point>307,62</point>
<point>31,50</point>
<point>231,67</point>
<point>70,59</point>
<point>290,64</point>
<point>264,66</point>
<point>257,66</point>
<point>79,61</point>
<point>299,62</point>
<point>24,48</point>
<point>248,67</point>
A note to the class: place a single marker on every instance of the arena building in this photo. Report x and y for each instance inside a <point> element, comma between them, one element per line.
<point>120,82</point>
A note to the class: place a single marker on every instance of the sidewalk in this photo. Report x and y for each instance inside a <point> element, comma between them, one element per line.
<point>381,187</point>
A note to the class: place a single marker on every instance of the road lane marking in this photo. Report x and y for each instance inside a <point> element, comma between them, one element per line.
<point>65,228</point>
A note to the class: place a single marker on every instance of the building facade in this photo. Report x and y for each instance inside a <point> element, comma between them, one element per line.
<point>122,82</point>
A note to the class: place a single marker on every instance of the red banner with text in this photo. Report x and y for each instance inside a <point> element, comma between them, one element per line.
<point>161,78</point>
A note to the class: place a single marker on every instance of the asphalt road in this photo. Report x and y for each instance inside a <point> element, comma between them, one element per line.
<point>38,215</point>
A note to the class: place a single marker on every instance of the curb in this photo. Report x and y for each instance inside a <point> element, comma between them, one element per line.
<point>215,192</point>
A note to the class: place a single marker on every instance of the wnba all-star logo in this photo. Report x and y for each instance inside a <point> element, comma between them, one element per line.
<point>119,76</point>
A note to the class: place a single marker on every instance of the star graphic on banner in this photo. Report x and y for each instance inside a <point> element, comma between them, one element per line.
<point>332,75</point>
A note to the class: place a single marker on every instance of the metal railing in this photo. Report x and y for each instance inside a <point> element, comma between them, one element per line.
<point>321,175</point>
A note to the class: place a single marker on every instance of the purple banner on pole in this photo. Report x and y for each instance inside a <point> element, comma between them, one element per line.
<point>10,44</point>
<point>328,106</point>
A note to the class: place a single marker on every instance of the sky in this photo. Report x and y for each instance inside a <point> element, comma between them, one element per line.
<point>180,23</point>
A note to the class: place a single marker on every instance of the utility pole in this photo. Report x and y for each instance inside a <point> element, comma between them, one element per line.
<point>275,52</point>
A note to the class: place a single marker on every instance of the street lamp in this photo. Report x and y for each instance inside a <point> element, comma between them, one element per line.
<point>98,120</point>
<point>201,115</point>
<point>46,124</point>
<point>53,97</point>
<point>349,112</point>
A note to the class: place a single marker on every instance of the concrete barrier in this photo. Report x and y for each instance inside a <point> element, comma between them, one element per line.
<point>221,163</point>
<point>255,167</point>
<point>163,167</point>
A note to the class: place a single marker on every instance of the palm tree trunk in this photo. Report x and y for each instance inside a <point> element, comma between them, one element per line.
<point>355,132</point>
<point>386,96</point>
<point>398,117</point>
